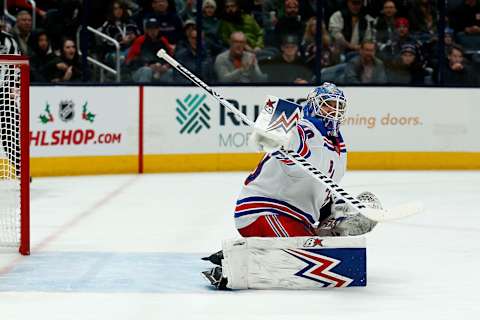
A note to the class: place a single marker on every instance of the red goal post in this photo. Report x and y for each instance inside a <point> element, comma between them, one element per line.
<point>14,153</point>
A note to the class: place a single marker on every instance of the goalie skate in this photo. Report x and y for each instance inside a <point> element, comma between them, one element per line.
<point>215,258</point>
<point>214,276</point>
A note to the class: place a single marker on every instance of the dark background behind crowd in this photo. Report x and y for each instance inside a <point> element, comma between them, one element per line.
<point>402,42</point>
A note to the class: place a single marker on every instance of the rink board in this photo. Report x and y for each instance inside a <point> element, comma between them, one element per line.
<point>102,130</point>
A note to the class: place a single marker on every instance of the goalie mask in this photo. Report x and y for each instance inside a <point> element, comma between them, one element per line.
<point>328,103</point>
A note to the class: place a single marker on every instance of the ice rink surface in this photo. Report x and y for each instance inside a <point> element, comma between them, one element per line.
<point>128,247</point>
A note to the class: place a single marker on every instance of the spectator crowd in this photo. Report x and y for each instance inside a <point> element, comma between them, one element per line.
<point>252,41</point>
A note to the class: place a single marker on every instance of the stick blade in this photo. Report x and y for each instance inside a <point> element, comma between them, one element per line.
<point>395,213</point>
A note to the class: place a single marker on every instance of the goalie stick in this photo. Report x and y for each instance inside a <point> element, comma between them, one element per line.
<point>379,215</point>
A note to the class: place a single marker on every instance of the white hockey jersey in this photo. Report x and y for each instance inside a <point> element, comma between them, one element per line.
<point>279,187</point>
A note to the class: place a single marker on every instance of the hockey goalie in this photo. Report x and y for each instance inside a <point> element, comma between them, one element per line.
<point>295,234</point>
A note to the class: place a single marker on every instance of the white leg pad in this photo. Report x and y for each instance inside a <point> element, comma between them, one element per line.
<point>295,263</point>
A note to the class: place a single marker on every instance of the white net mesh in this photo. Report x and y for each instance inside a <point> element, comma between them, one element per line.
<point>10,169</point>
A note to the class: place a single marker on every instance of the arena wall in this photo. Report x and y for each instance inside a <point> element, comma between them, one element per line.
<point>95,130</point>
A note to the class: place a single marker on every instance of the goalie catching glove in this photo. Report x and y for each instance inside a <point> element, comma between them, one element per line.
<point>342,223</point>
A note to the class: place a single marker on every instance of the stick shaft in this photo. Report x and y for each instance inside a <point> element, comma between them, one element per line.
<point>174,63</point>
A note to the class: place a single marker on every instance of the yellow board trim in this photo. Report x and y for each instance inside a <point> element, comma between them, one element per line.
<point>201,162</point>
<point>69,166</point>
<point>246,162</point>
<point>356,161</point>
<point>414,160</point>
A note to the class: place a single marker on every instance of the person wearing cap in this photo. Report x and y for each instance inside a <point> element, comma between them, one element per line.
<point>170,24</point>
<point>187,54</point>
<point>237,64</point>
<point>287,67</point>
<point>406,69</point>
<point>210,27</point>
<point>142,57</point>
<point>365,68</point>
<point>233,20</point>
<point>350,26</point>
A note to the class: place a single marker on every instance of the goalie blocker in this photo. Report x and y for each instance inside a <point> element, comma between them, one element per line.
<point>292,263</point>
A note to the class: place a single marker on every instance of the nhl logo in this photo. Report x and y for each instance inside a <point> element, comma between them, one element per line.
<point>66,110</point>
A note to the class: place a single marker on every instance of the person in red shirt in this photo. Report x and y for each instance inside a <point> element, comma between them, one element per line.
<point>142,57</point>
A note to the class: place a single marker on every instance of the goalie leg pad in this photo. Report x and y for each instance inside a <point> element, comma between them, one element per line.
<point>294,263</point>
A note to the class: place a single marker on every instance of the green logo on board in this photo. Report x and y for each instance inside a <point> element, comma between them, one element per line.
<point>193,113</point>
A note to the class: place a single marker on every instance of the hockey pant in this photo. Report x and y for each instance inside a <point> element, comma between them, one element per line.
<point>277,226</point>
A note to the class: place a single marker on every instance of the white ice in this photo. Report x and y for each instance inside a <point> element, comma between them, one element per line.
<point>128,247</point>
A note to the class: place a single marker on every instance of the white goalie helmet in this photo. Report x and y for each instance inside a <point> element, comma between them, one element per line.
<point>327,102</point>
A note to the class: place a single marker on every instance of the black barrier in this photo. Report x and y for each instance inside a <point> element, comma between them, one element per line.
<point>327,58</point>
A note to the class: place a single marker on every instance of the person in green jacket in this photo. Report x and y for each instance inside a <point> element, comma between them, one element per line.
<point>234,20</point>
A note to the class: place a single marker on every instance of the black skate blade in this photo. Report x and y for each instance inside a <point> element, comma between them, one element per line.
<point>208,275</point>
<point>215,258</point>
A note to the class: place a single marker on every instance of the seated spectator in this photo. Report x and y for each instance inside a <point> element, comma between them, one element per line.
<point>350,26</point>
<point>458,72</point>
<point>22,31</point>
<point>430,50</point>
<point>67,68</point>
<point>466,22</point>
<point>449,38</point>
<point>306,8</point>
<point>187,55</point>
<point>142,57</point>
<point>187,27</point>
<point>385,25</point>
<point>170,24</point>
<point>365,68</point>
<point>330,53</point>
<point>210,27</point>
<point>291,23</point>
<point>42,57</point>
<point>288,67</point>
<point>234,20</point>
<point>423,20</point>
<point>236,64</point>
<point>389,52</point>
<point>119,27</point>
<point>406,69</point>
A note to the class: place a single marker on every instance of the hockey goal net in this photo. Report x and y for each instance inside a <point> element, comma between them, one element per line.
<point>14,153</point>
